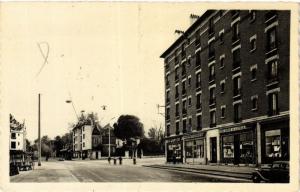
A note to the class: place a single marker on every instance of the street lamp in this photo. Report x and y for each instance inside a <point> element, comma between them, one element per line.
<point>109,137</point>
<point>70,101</point>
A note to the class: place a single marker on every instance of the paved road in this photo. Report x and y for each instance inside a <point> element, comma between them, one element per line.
<point>101,171</point>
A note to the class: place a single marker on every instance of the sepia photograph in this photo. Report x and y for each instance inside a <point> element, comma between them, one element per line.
<point>158,94</point>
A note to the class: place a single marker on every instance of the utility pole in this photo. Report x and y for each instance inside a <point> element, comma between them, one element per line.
<point>39,132</point>
<point>108,140</point>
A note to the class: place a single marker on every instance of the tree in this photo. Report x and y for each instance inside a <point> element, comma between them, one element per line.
<point>152,133</point>
<point>129,128</point>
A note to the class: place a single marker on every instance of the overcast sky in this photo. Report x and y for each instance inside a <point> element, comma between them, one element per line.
<point>102,53</point>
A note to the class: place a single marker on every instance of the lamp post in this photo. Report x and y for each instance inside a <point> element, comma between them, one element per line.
<point>70,101</point>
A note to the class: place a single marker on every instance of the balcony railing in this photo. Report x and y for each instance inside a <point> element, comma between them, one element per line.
<point>177,114</point>
<point>183,91</point>
<point>184,111</point>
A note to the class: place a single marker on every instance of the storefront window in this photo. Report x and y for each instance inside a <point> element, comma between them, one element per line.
<point>189,149</point>
<point>273,144</point>
<point>194,149</point>
<point>246,147</point>
<point>228,147</point>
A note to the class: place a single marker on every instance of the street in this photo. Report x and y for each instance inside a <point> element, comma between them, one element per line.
<point>101,171</point>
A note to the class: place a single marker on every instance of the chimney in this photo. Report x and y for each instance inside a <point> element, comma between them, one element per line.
<point>178,33</point>
<point>193,18</point>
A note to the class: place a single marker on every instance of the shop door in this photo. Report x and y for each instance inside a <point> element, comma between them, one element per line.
<point>236,149</point>
<point>213,150</point>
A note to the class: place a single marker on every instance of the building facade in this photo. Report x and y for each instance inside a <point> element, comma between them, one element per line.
<point>227,89</point>
<point>86,140</point>
<point>17,139</point>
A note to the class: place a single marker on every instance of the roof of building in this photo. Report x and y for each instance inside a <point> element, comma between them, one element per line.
<point>188,31</point>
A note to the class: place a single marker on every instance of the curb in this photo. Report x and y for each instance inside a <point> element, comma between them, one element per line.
<point>244,176</point>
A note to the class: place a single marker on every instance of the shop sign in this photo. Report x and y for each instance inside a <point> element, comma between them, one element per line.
<point>193,136</point>
<point>174,140</point>
<point>232,129</point>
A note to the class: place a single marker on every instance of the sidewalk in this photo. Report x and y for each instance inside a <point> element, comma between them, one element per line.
<point>244,173</point>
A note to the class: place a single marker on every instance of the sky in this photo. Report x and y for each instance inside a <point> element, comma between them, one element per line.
<point>99,54</point>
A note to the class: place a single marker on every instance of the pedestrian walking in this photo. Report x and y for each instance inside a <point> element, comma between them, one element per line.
<point>134,160</point>
<point>120,160</point>
<point>109,160</point>
<point>115,161</point>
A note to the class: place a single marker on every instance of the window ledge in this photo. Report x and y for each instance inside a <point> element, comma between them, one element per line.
<point>254,109</point>
<point>221,67</point>
<point>253,80</point>
<point>272,50</point>
<point>251,20</point>
<point>252,50</point>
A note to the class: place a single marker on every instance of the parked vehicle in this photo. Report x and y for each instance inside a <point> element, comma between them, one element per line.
<point>20,161</point>
<point>278,172</point>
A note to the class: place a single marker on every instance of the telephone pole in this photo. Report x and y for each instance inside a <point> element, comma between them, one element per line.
<point>39,132</point>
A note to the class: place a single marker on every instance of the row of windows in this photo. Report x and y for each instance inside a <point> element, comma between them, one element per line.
<point>272,76</point>
<point>273,109</point>
<point>271,42</point>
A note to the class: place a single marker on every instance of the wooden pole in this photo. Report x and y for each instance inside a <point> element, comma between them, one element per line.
<point>39,131</point>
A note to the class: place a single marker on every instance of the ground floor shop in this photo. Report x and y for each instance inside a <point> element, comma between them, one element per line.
<point>238,144</point>
<point>252,143</point>
<point>194,148</point>
<point>174,149</point>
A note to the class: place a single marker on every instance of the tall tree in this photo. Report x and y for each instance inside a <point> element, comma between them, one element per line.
<point>129,128</point>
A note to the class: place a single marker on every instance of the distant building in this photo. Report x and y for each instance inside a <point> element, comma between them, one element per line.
<point>17,135</point>
<point>105,140</point>
<point>227,89</point>
<point>86,140</point>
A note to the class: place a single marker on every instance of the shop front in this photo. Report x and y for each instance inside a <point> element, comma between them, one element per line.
<point>238,145</point>
<point>174,147</point>
<point>194,147</point>
<point>275,141</point>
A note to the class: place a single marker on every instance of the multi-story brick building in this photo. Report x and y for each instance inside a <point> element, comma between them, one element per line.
<point>227,88</point>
